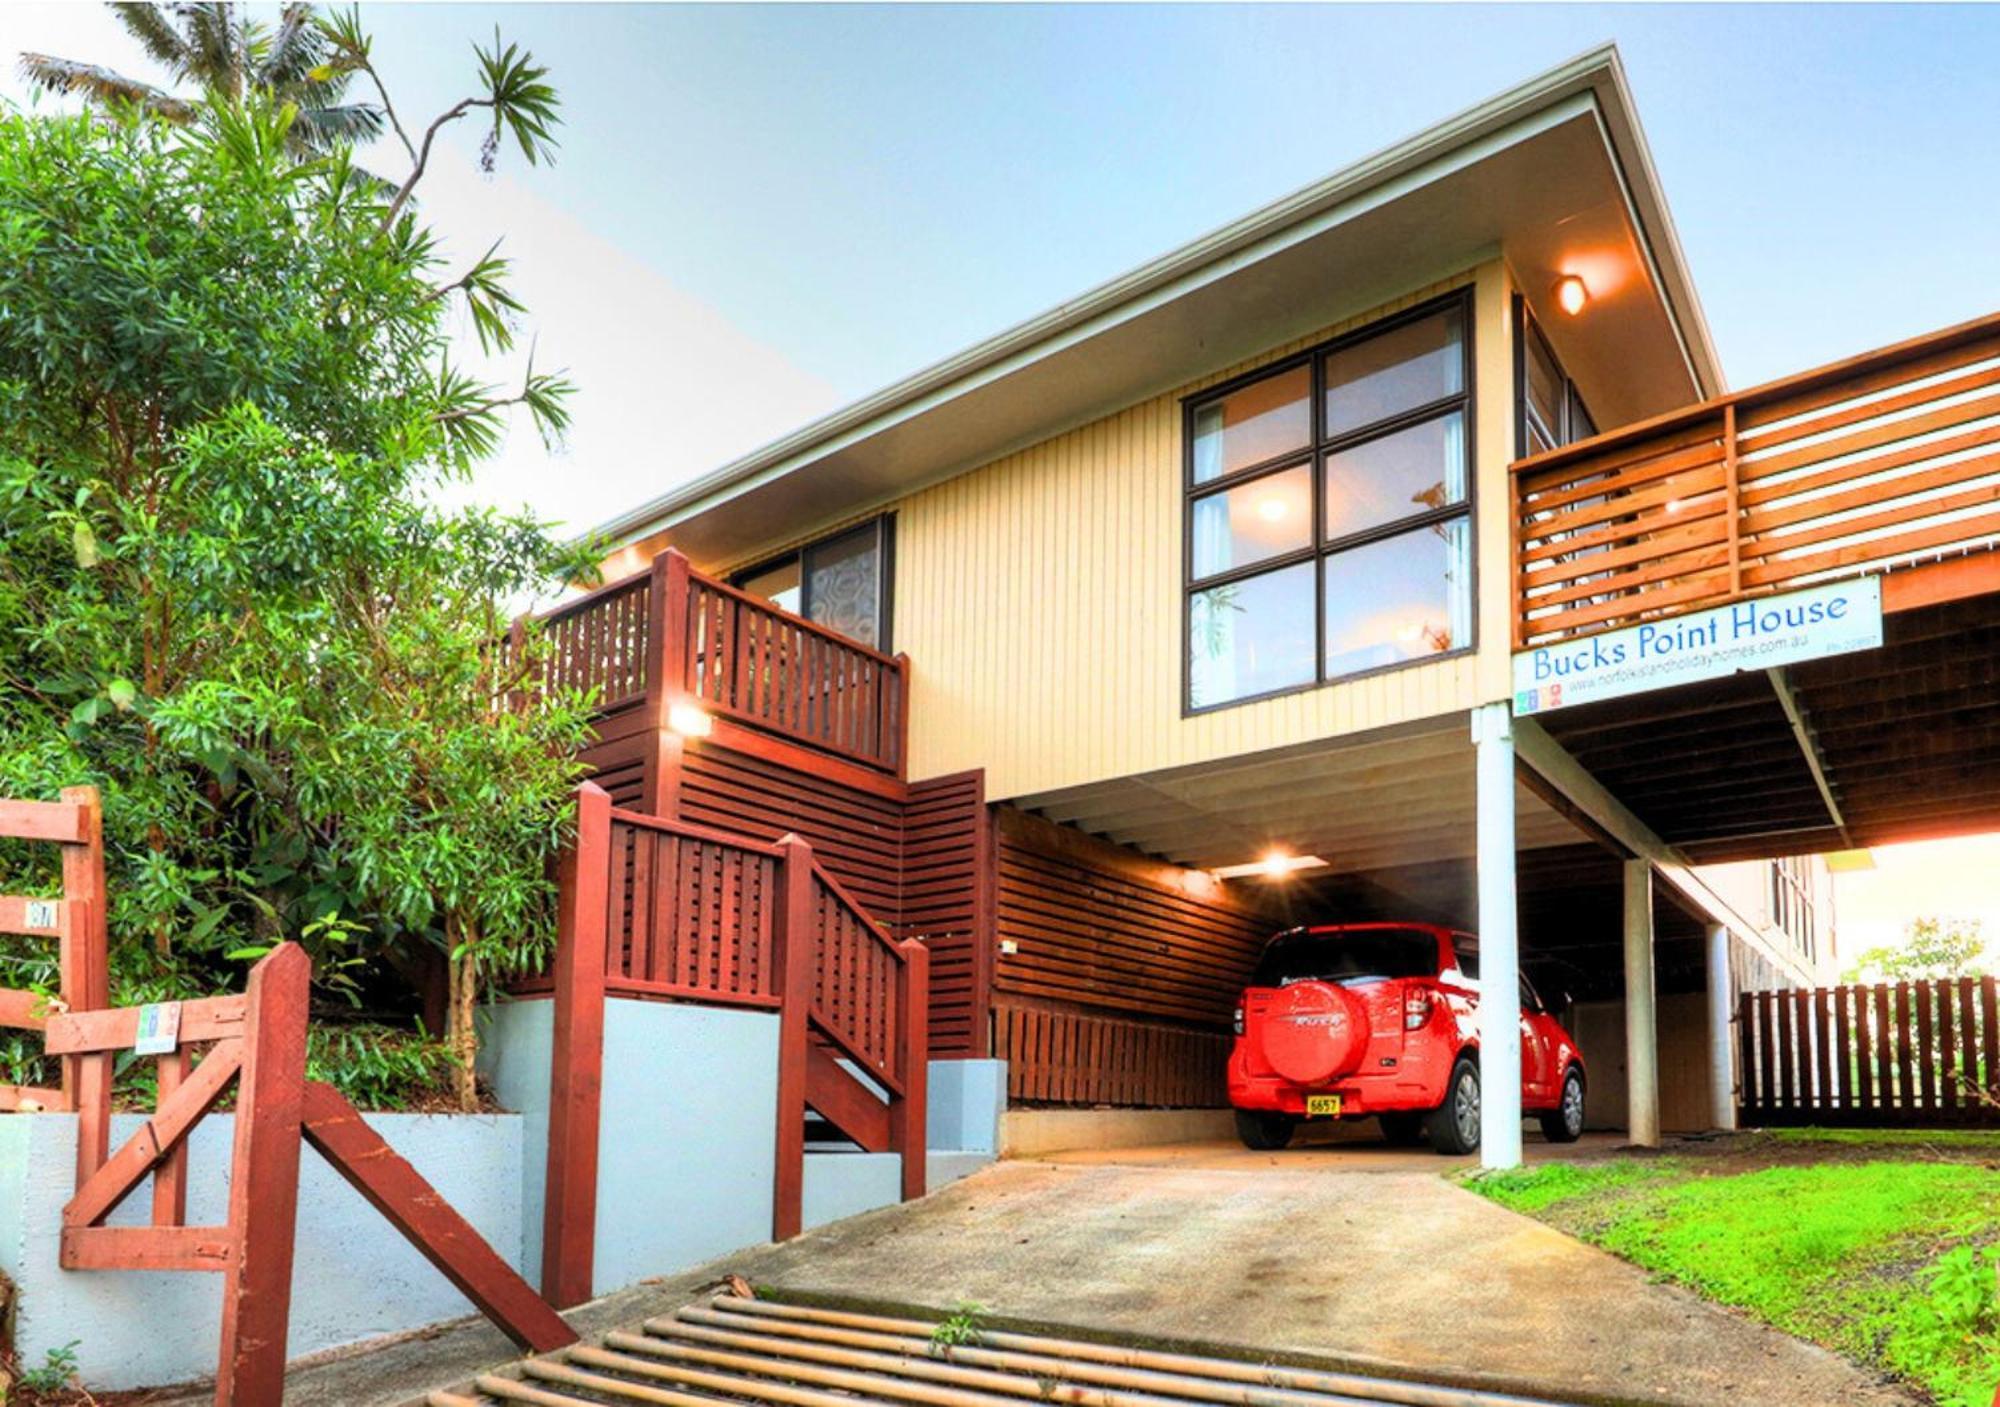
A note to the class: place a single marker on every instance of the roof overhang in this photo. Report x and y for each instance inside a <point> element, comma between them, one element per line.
<point>1549,173</point>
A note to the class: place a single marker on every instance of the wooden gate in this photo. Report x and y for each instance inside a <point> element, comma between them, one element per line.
<point>257,1042</point>
<point>1904,1053</point>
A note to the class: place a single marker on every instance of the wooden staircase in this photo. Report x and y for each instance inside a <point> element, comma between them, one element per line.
<point>756,1353</point>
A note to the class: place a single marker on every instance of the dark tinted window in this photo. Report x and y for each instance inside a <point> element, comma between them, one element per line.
<point>1336,957</point>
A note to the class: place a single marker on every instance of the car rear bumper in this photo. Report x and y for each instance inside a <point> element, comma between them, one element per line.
<point>1361,1096</point>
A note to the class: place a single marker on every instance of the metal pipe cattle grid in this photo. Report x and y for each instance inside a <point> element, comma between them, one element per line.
<point>757,1353</point>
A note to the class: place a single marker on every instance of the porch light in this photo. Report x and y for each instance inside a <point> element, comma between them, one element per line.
<point>1571,295</point>
<point>689,721</point>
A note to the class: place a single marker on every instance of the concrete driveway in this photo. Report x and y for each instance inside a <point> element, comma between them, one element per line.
<point>1392,1269</point>
<point>1355,1256</point>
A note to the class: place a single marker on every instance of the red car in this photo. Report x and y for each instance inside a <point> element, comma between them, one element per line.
<point>1349,1020</point>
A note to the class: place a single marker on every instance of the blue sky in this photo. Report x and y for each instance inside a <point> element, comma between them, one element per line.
<point>869,189</point>
<point>760,213</point>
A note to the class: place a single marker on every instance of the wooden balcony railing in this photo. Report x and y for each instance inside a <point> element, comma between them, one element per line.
<point>733,655</point>
<point>1869,465</point>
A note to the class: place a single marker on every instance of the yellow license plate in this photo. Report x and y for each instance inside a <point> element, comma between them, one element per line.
<point>1317,1104</point>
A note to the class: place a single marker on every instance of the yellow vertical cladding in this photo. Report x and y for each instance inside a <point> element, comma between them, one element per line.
<point>1039,597</point>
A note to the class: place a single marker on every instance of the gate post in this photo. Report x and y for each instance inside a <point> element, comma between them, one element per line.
<point>907,1116</point>
<point>794,964</point>
<point>576,1056</point>
<point>264,1182</point>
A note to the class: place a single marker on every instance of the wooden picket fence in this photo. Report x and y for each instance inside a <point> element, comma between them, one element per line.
<point>1903,1053</point>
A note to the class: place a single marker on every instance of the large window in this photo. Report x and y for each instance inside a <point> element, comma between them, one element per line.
<point>1329,529</point>
<point>842,582</point>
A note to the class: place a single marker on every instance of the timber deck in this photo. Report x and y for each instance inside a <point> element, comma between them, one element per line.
<point>758,1353</point>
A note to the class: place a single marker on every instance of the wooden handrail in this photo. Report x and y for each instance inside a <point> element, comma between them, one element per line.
<point>1945,339</point>
<point>785,938</point>
<point>667,633</point>
<point>1870,464</point>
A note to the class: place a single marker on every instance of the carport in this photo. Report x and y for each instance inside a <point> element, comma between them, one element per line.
<point>1408,823</point>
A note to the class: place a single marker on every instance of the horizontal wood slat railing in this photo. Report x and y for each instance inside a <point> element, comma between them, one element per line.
<point>1905,1053</point>
<point>671,635</point>
<point>1874,464</point>
<point>660,909</point>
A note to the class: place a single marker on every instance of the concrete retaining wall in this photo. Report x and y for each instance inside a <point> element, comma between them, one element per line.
<point>354,1277</point>
<point>685,1164</point>
<point>688,1139</point>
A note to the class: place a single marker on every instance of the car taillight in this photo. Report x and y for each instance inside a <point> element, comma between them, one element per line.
<point>1238,1023</point>
<point>1417,1008</point>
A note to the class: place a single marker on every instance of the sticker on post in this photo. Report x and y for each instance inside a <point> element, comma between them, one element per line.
<point>159,1029</point>
<point>41,913</point>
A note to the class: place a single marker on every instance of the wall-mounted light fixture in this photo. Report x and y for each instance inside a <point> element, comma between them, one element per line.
<point>689,720</point>
<point>1571,295</point>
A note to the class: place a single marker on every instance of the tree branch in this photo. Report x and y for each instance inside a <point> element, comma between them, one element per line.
<point>452,114</point>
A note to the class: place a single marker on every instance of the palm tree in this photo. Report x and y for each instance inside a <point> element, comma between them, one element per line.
<point>216,47</point>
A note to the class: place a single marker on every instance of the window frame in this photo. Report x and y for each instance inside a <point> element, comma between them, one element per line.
<point>1318,448</point>
<point>1527,325</point>
<point>884,526</point>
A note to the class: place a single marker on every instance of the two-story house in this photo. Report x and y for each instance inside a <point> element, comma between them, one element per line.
<point>1361,558</point>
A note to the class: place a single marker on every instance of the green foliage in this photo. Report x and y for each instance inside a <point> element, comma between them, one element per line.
<point>381,1067</point>
<point>228,597</point>
<point>1931,947</point>
<point>221,48</point>
<point>1892,1263</point>
<point>1892,1138</point>
<point>1532,1189</point>
<point>958,1329</point>
<point>56,1372</point>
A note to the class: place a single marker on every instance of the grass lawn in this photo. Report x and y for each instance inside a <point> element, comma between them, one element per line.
<point>1883,1247</point>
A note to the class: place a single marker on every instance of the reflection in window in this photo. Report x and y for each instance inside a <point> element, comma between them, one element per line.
<point>1258,423</point>
<point>1317,552</point>
<point>1265,518</point>
<point>1401,370</point>
<point>1406,471</point>
<point>1253,636</point>
<point>1398,598</point>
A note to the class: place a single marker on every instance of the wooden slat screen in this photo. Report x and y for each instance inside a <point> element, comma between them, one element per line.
<point>1907,1053</point>
<point>1108,928</point>
<point>1859,467</point>
<point>945,902</point>
<point>1065,1057</point>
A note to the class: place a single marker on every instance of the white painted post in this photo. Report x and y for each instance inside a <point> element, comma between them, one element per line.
<point>1499,940</point>
<point>1642,1035</point>
<point>1721,1044</point>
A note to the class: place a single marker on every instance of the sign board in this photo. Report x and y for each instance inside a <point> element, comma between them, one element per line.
<point>40,913</point>
<point>159,1029</point>
<point>1762,633</point>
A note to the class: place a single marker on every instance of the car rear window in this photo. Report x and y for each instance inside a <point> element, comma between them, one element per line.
<point>1344,956</point>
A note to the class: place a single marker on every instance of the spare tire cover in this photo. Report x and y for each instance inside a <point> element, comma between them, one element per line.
<point>1314,1032</point>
